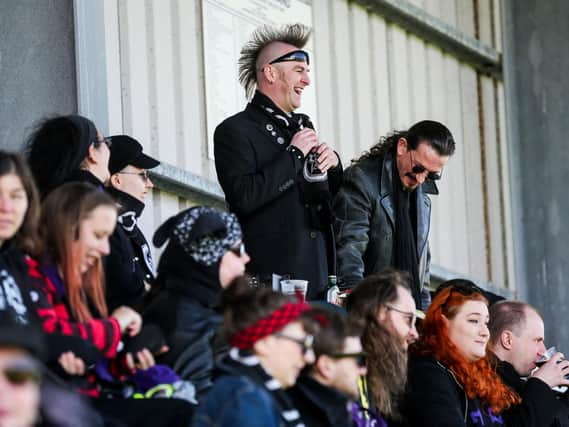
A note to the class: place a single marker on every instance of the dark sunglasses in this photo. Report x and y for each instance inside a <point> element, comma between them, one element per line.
<point>419,169</point>
<point>239,250</point>
<point>306,342</point>
<point>361,357</point>
<point>22,372</point>
<point>143,175</point>
<point>295,55</point>
<point>463,287</point>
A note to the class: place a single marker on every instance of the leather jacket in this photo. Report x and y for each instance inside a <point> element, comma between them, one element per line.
<point>365,221</point>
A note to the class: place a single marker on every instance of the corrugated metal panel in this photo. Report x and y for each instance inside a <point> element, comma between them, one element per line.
<point>373,76</point>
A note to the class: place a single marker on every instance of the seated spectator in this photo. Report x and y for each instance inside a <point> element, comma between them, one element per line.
<point>324,392</point>
<point>69,286</point>
<point>203,256</point>
<point>451,382</point>
<point>69,279</point>
<point>20,347</point>
<point>516,341</point>
<point>384,307</point>
<point>269,349</point>
<point>67,148</point>
<point>19,211</point>
<point>129,271</point>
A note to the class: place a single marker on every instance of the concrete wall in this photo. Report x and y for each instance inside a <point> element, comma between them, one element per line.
<point>537,63</point>
<point>37,65</point>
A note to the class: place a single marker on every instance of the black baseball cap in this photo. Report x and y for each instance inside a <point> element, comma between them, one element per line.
<point>128,151</point>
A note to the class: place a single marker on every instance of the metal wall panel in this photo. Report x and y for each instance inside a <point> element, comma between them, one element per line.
<point>373,76</point>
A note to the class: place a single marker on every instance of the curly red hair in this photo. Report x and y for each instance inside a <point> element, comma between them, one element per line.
<point>478,379</point>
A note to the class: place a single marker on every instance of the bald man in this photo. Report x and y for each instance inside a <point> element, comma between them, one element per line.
<point>278,177</point>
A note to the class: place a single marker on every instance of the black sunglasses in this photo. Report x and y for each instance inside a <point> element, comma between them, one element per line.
<point>22,372</point>
<point>361,357</point>
<point>239,250</point>
<point>419,169</point>
<point>295,55</point>
<point>306,342</point>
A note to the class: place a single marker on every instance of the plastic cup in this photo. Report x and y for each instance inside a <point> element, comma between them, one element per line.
<point>295,287</point>
<point>546,356</point>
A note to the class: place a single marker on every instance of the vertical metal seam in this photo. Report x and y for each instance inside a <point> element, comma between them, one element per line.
<point>177,82</point>
<point>152,78</point>
<point>356,94</point>
<point>483,171</point>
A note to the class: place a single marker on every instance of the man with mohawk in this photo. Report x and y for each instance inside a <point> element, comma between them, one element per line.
<point>278,177</point>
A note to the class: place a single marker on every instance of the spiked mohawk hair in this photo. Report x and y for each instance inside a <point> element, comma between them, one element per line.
<point>295,34</point>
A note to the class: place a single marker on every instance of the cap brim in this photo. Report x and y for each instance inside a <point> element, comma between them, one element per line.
<point>143,161</point>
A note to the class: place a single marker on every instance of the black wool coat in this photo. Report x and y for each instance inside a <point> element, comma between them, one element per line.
<point>262,184</point>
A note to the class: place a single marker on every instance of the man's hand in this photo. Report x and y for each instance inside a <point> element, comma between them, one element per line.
<point>72,364</point>
<point>553,371</point>
<point>327,159</point>
<point>305,140</point>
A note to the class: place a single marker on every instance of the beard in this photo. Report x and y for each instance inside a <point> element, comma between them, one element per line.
<point>386,369</point>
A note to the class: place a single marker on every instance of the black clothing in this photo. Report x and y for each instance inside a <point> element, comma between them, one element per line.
<point>81,175</point>
<point>434,398</point>
<point>263,184</point>
<point>365,223</point>
<point>129,264</point>
<point>183,305</point>
<point>539,406</point>
<point>320,406</point>
<point>405,247</point>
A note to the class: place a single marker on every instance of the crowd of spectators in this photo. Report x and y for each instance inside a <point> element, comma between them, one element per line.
<point>92,333</point>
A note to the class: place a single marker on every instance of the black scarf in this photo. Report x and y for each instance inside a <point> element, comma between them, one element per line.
<point>405,256</point>
<point>130,209</point>
<point>288,123</point>
<point>247,365</point>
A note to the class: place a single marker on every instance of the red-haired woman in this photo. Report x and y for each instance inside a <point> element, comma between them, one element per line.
<point>451,382</point>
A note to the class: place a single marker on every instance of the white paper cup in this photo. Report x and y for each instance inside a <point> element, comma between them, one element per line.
<point>295,287</point>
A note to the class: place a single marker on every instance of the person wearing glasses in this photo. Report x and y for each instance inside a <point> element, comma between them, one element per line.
<point>383,211</point>
<point>325,390</point>
<point>451,380</point>
<point>204,254</point>
<point>67,148</point>
<point>129,270</point>
<point>269,348</point>
<point>384,308</point>
<point>260,157</point>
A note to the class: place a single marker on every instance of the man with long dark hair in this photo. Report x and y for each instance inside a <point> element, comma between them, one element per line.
<point>382,209</point>
<point>383,306</point>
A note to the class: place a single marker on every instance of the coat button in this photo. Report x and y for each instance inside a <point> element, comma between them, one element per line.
<point>313,234</point>
<point>136,258</point>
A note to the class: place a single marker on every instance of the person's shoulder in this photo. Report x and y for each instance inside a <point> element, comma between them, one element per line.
<point>237,120</point>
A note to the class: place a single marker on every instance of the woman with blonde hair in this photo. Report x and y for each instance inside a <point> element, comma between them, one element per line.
<point>451,382</point>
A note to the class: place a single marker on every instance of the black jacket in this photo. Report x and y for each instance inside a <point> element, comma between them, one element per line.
<point>190,325</point>
<point>364,225</point>
<point>320,406</point>
<point>540,406</point>
<point>129,264</point>
<point>434,398</point>
<point>262,184</point>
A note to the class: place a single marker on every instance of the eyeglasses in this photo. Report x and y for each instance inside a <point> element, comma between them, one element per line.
<point>239,250</point>
<point>295,55</point>
<point>305,343</point>
<point>107,141</point>
<point>419,169</point>
<point>410,316</point>
<point>22,372</point>
<point>360,357</point>
<point>143,175</point>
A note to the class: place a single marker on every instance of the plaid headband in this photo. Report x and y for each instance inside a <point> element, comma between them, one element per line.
<point>266,326</point>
